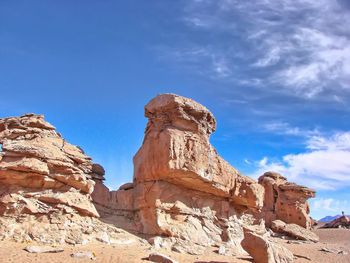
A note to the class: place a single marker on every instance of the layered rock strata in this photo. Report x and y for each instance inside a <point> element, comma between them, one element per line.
<point>285,201</point>
<point>182,187</point>
<point>45,185</point>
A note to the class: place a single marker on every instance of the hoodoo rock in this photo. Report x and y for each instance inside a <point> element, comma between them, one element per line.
<point>45,185</point>
<point>182,187</point>
<point>285,201</point>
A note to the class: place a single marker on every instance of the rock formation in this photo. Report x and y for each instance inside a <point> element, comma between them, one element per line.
<point>183,197</point>
<point>285,201</point>
<point>186,195</point>
<point>342,221</point>
<point>45,185</point>
<point>183,188</point>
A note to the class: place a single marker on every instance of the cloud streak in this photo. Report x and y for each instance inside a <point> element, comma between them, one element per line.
<point>299,48</point>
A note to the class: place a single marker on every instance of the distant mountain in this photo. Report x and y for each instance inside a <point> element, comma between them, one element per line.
<point>330,218</point>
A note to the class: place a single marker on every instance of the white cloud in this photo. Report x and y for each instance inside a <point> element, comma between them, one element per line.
<point>304,44</point>
<point>325,164</point>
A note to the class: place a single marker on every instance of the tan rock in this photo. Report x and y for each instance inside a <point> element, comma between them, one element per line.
<point>285,201</point>
<point>294,230</point>
<point>45,186</point>
<point>265,251</point>
<point>182,188</point>
<point>176,149</point>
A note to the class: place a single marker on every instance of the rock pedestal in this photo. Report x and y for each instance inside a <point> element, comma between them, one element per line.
<point>183,188</point>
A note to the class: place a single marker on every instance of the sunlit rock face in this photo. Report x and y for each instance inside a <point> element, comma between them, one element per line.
<point>183,188</point>
<point>45,184</point>
<point>285,201</point>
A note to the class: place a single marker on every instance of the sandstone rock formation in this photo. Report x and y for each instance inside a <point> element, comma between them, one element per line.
<point>183,197</point>
<point>45,185</point>
<point>185,194</point>
<point>285,201</point>
<point>182,187</point>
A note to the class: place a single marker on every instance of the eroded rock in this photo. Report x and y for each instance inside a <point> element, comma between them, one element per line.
<point>294,230</point>
<point>285,201</point>
<point>46,185</point>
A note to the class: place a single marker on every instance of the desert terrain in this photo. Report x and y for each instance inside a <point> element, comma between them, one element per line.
<point>138,252</point>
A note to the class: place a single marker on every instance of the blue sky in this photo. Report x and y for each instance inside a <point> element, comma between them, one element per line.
<point>275,73</point>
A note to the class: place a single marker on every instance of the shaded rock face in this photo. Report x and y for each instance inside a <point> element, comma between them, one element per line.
<point>182,187</point>
<point>45,184</point>
<point>285,201</point>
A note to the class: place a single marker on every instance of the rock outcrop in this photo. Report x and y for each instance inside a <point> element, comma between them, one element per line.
<point>45,185</point>
<point>342,221</point>
<point>186,195</point>
<point>285,201</point>
<point>183,197</point>
<point>182,187</point>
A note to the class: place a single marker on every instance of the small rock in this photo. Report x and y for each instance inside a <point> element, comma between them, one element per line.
<point>178,249</point>
<point>222,250</point>
<point>84,254</point>
<point>104,238</point>
<point>159,258</point>
<point>43,249</point>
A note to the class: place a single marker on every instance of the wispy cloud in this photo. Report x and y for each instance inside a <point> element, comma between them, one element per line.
<point>295,47</point>
<point>284,128</point>
<point>325,163</point>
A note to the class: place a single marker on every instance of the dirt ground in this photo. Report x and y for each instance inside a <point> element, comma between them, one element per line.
<point>138,252</point>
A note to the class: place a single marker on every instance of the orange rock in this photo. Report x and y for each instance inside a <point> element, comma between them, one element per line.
<point>182,187</point>
<point>285,201</point>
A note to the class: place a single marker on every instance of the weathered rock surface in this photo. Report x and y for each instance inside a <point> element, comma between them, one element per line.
<point>285,201</point>
<point>160,258</point>
<point>182,187</point>
<point>294,231</point>
<point>342,221</point>
<point>265,251</point>
<point>43,249</point>
<point>183,192</point>
<point>176,149</point>
<point>45,185</point>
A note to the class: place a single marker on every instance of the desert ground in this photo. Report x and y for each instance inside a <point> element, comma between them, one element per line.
<point>138,252</point>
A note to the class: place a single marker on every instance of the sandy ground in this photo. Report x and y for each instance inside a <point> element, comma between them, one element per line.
<point>138,252</point>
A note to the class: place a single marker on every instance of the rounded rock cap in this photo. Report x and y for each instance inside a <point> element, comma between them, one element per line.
<point>183,113</point>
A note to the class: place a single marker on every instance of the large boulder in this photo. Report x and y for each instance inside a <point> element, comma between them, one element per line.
<point>285,201</point>
<point>263,250</point>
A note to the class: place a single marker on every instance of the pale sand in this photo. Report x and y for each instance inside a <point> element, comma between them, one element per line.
<point>330,238</point>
